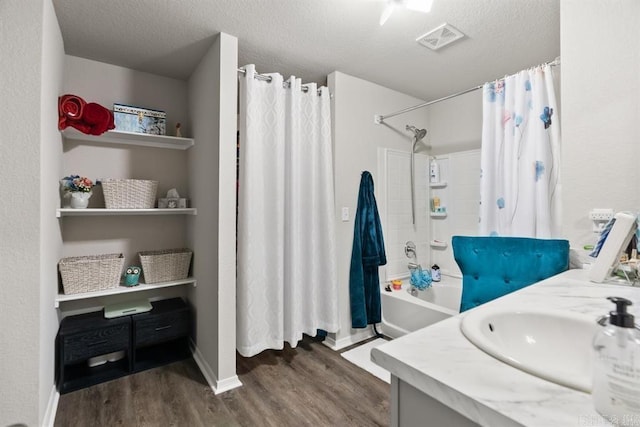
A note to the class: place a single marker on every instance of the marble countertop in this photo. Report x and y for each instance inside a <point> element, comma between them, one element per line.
<point>439,361</point>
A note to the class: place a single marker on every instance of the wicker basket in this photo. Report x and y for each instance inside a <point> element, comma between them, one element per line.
<point>165,265</point>
<point>90,273</point>
<point>129,193</point>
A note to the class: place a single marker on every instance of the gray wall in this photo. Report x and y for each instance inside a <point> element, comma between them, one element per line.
<point>600,110</point>
<point>356,140</point>
<point>50,236</point>
<point>212,179</point>
<point>31,71</point>
<point>21,33</point>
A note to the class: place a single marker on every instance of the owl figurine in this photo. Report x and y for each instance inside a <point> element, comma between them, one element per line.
<point>131,275</point>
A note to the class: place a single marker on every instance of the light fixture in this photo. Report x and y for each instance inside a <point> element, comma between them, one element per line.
<point>423,6</point>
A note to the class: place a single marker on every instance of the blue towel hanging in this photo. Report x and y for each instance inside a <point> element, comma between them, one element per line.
<point>366,255</point>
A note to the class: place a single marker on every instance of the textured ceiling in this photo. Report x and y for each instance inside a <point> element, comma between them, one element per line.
<point>312,38</point>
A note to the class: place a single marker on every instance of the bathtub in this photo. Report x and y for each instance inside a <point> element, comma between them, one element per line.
<point>403,313</point>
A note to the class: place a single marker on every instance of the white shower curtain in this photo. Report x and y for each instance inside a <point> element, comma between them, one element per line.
<point>286,273</point>
<point>520,156</point>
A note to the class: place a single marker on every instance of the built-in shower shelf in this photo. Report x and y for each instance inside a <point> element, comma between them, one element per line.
<point>438,244</point>
<point>438,214</point>
<point>440,184</point>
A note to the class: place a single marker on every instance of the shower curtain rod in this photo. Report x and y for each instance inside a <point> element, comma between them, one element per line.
<point>268,79</point>
<point>379,119</point>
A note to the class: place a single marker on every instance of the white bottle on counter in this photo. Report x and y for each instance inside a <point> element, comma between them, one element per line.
<point>616,367</point>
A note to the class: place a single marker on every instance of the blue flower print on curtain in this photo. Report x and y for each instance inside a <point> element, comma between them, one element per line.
<point>539,166</point>
<point>518,120</point>
<point>494,89</point>
<point>500,203</point>
<point>490,92</point>
<point>546,117</point>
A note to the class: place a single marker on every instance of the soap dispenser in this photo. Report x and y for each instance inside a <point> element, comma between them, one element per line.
<point>616,367</point>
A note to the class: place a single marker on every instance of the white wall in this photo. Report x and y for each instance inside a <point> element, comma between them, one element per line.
<point>356,142</point>
<point>212,179</point>
<point>107,84</point>
<point>461,197</point>
<point>600,110</point>
<point>456,124</point>
<point>21,33</point>
<point>50,169</point>
<point>456,129</point>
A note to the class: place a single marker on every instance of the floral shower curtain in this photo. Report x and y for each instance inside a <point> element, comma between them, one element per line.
<point>287,265</point>
<point>520,156</point>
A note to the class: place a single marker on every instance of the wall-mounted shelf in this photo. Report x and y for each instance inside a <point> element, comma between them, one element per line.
<point>437,244</point>
<point>122,290</point>
<point>131,138</point>
<point>438,214</point>
<point>109,212</point>
<point>440,184</point>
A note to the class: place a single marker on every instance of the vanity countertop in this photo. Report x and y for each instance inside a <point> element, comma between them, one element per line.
<point>439,361</point>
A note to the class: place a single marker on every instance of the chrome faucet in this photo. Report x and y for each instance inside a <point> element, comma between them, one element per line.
<point>410,252</point>
<point>410,249</point>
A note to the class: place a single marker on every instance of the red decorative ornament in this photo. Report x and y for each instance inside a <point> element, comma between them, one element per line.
<point>89,118</point>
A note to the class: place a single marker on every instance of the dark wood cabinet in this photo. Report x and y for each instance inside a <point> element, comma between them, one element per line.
<point>148,340</point>
<point>162,335</point>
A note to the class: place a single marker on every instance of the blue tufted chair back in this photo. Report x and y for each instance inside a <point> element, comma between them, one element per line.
<point>495,266</point>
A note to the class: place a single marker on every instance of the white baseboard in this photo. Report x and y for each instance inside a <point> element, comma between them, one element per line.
<point>52,407</point>
<point>345,342</point>
<point>218,386</point>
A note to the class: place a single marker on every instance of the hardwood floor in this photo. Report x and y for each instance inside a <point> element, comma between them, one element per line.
<point>310,385</point>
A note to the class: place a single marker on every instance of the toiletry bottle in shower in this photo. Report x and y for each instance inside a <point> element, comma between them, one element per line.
<point>616,367</point>
<point>435,273</point>
<point>434,171</point>
<point>435,203</point>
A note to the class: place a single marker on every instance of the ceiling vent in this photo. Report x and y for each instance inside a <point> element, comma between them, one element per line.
<point>440,37</point>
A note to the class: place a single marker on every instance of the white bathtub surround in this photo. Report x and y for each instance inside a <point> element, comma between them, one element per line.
<point>394,188</point>
<point>445,368</point>
<point>287,266</point>
<point>403,313</point>
<point>361,357</point>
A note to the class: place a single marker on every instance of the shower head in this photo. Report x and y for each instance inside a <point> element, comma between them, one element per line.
<point>418,133</point>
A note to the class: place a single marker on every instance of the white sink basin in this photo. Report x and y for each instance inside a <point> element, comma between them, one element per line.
<point>552,345</point>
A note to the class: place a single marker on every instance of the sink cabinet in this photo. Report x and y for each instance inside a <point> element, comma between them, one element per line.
<point>411,407</point>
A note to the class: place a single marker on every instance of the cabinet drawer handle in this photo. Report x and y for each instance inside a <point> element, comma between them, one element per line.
<point>162,328</point>
<point>97,343</point>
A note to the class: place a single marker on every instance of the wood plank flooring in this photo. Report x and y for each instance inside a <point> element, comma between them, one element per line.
<point>310,385</point>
